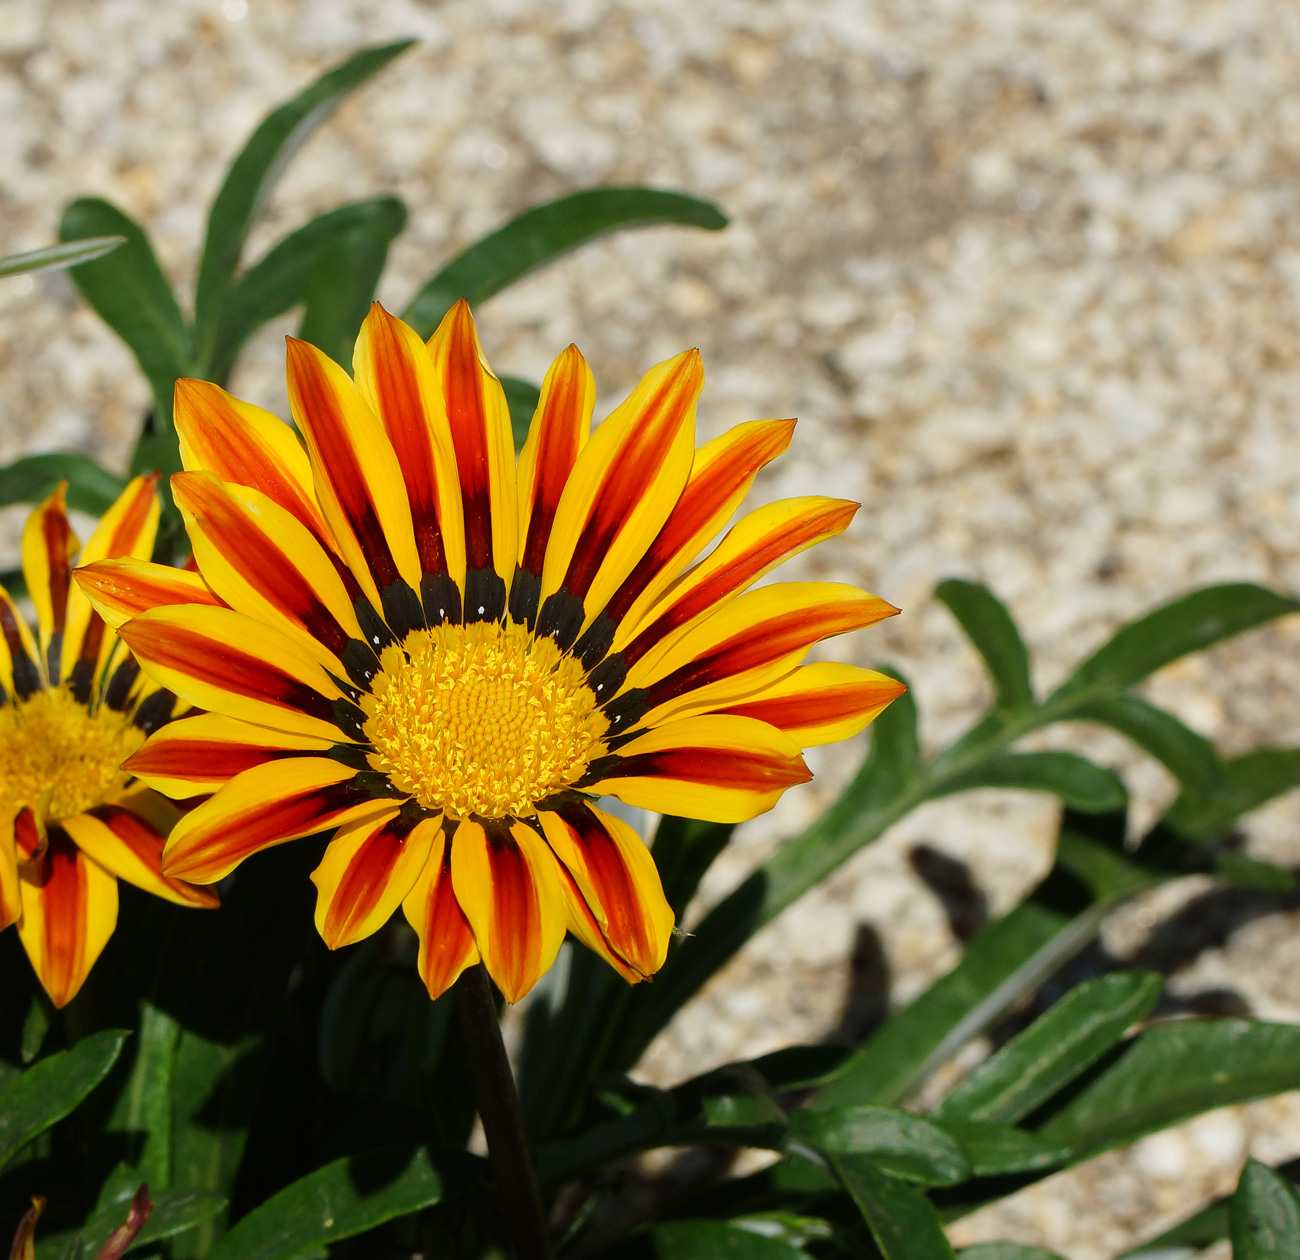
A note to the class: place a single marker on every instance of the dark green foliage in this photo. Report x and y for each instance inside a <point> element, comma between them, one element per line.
<point>1265,1216</point>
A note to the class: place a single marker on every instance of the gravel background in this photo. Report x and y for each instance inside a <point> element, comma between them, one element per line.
<point>1027,272</point>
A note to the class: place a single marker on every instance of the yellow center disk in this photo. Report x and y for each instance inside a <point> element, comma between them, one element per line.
<point>481,719</point>
<point>51,742</point>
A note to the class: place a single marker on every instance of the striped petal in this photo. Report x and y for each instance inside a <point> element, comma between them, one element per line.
<point>261,560</point>
<point>446,942</point>
<point>11,906</point>
<point>394,372</point>
<point>764,539</point>
<point>508,885</point>
<point>268,678</point>
<point>368,869</point>
<point>221,434</point>
<point>747,644</point>
<point>557,434</point>
<point>69,912</point>
<point>20,674</point>
<point>357,478</point>
<point>716,768</point>
<point>126,846</point>
<point>621,491</point>
<point>121,589</point>
<point>197,755</point>
<point>48,547</point>
<point>721,476</point>
<point>485,460</point>
<point>823,703</point>
<point>261,807</point>
<point>618,883</point>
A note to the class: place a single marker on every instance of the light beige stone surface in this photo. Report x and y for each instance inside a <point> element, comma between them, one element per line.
<point>1026,271</point>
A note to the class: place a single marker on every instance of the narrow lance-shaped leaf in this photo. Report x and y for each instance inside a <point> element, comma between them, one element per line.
<point>90,488</point>
<point>132,296</point>
<point>716,1240</point>
<point>52,1088</point>
<point>279,280</point>
<point>342,284</point>
<point>340,1200</point>
<point>1253,779</point>
<point>1189,624</point>
<point>57,257</point>
<point>989,627</point>
<point>254,173</point>
<point>522,398</point>
<point>1053,1050</point>
<point>1079,783</point>
<point>902,1220</point>
<point>1005,1251</point>
<point>545,233</point>
<point>1265,1216</point>
<point>897,1141</point>
<point>1173,1072</point>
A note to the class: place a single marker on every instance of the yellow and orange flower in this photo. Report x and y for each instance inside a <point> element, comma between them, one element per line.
<point>401,634</point>
<point>73,706</point>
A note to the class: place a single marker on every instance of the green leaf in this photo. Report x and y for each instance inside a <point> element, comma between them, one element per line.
<point>545,233</point>
<point>684,849</point>
<point>343,283</point>
<point>1206,1226</point>
<point>52,1088</point>
<point>340,1200</point>
<point>1079,783</point>
<point>897,1141</point>
<point>1189,624</point>
<point>35,1026</point>
<point>522,398</point>
<point>132,296</point>
<point>1056,1048</point>
<point>254,173</point>
<point>57,257</point>
<point>280,279</point>
<point>90,488</point>
<point>1265,1216</point>
<point>173,1213</point>
<point>989,627</point>
<point>902,1220</point>
<point>1005,1251</point>
<point>717,1240</point>
<point>1172,1072</point>
<point>1190,757</point>
<point>1253,779</point>
<point>998,1149</point>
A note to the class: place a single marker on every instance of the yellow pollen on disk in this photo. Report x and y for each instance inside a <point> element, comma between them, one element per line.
<point>50,742</point>
<point>481,719</point>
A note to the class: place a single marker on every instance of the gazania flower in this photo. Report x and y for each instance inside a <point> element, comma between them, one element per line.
<point>73,706</point>
<point>448,658</point>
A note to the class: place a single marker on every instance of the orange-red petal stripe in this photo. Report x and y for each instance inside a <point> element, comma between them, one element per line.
<point>139,860</point>
<point>122,589</point>
<point>69,912</point>
<point>446,940</point>
<point>48,547</point>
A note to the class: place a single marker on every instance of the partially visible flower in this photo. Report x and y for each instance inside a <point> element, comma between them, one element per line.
<point>73,706</point>
<point>448,658</point>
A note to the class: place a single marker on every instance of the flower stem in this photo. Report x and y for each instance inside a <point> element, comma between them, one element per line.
<point>503,1122</point>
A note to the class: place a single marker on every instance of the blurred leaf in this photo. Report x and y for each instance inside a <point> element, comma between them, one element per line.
<point>999,1149</point>
<point>52,1088</point>
<point>895,755</point>
<point>254,173</point>
<point>1054,1049</point>
<point>1172,1072</point>
<point>897,1141</point>
<point>1265,1216</point>
<point>1206,1226</point>
<point>716,1240</point>
<point>1252,780</point>
<point>280,279</point>
<point>57,257</point>
<point>684,849</point>
<point>1105,870</point>
<point>989,627</point>
<point>741,1111</point>
<point>545,233</point>
<point>1005,1251</point>
<point>902,1220</point>
<point>522,398</point>
<point>1189,757</point>
<point>173,1213</point>
<point>132,296</point>
<point>1079,783</point>
<point>1189,624</point>
<point>342,1199</point>
<point>90,488</point>
<point>35,1026</point>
